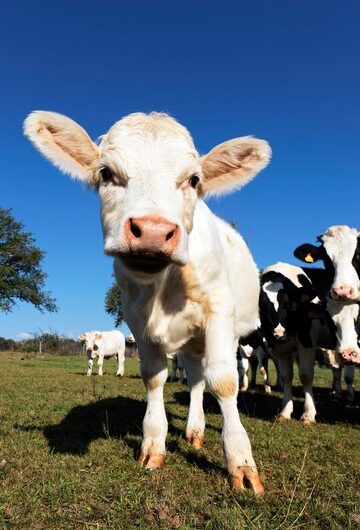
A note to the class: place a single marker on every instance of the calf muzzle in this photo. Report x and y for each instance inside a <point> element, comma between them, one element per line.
<point>152,241</point>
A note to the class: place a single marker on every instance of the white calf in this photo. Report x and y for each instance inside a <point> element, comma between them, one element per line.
<point>188,281</point>
<point>104,345</point>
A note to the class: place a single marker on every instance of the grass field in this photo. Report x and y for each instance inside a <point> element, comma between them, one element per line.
<point>68,445</point>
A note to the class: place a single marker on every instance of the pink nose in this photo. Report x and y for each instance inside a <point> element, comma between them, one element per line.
<point>151,234</point>
<point>342,291</point>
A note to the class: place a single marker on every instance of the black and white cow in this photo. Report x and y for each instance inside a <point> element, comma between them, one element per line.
<point>339,250</point>
<point>297,317</point>
<point>286,291</point>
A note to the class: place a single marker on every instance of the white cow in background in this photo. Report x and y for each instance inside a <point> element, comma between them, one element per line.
<point>188,281</point>
<point>104,345</point>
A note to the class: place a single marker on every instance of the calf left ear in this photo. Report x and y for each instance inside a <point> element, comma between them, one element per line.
<point>308,253</point>
<point>233,164</point>
<point>63,142</point>
<point>98,336</point>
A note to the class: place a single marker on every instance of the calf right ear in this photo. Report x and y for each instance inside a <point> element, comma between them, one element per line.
<point>308,253</point>
<point>64,143</point>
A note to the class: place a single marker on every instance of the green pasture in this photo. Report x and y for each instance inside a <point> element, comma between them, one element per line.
<point>68,446</point>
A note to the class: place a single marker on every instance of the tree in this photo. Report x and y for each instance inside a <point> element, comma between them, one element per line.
<point>113,304</point>
<point>21,275</point>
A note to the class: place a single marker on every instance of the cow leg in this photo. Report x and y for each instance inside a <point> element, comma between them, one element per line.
<point>195,425</point>
<point>349,374</point>
<point>100,364</point>
<point>222,379</point>
<point>90,364</point>
<point>243,364</point>
<point>253,361</point>
<point>285,363</point>
<point>336,382</point>
<point>278,383</point>
<point>181,375</point>
<point>153,366</point>
<point>263,363</point>
<point>121,361</point>
<point>173,369</point>
<point>306,373</point>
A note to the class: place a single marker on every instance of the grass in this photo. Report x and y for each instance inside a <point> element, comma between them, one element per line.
<point>68,445</point>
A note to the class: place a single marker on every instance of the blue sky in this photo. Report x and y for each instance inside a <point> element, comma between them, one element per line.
<point>286,70</point>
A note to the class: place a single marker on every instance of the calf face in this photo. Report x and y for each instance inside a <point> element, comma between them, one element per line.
<point>91,339</point>
<point>148,176</point>
<point>340,252</point>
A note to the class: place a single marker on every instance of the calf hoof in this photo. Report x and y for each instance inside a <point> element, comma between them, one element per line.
<point>247,477</point>
<point>154,461</point>
<point>308,421</point>
<point>196,440</point>
<point>267,389</point>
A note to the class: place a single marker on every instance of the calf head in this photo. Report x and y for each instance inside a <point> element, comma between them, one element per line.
<point>340,251</point>
<point>149,177</point>
<point>91,339</point>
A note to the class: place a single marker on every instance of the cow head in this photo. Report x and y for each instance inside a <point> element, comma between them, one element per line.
<point>149,177</point>
<point>340,252</point>
<point>346,323</point>
<point>91,339</point>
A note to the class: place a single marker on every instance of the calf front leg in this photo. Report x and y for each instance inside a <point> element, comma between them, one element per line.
<point>195,425</point>
<point>153,365</point>
<point>120,361</point>
<point>100,364</point>
<point>222,379</point>
<point>90,365</point>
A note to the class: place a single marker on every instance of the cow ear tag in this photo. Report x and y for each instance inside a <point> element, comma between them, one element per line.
<point>309,259</point>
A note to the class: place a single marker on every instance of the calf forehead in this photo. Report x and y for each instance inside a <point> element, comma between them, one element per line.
<point>147,140</point>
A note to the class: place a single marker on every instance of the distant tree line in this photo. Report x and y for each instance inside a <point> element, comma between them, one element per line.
<point>49,342</point>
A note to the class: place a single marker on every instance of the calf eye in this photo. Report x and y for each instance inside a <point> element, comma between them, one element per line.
<point>106,175</point>
<point>193,181</point>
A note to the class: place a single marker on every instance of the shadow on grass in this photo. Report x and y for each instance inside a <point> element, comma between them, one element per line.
<point>119,417</point>
<point>257,404</point>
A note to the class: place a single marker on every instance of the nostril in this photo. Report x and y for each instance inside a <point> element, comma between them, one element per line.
<point>170,235</point>
<point>135,229</point>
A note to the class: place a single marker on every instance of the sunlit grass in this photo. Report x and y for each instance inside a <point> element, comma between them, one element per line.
<point>68,445</point>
